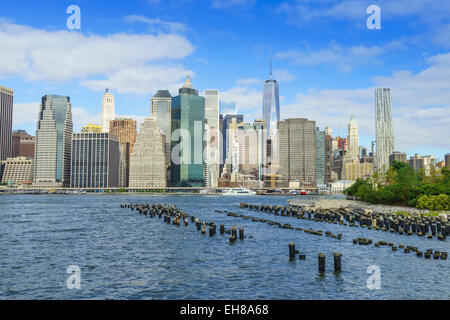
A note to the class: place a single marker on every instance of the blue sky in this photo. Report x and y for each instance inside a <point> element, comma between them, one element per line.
<point>325,58</point>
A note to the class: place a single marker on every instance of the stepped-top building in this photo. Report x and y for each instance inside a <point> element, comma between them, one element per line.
<point>108,110</point>
<point>188,123</point>
<point>148,159</point>
<point>53,142</point>
<point>353,138</point>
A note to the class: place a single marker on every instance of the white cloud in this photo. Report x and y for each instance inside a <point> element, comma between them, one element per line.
<point>246,98</point>
<point>283,75</point>
<point>225,4</point>
<point>343,58</point>
<point>156,24</point>
<point>249,81</point>
<point>303,11</point>
<point>421,106</point>
<point>142,80</point>
<point>55,56</point>
<point>25,113</point>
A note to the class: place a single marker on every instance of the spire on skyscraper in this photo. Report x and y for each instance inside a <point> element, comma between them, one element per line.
<point>270,72</point>
<point>187,83</point>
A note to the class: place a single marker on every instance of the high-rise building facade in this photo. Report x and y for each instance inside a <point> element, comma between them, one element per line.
<point>18,170</point>
<point>6,115</point>
<point>418,162</point>
<point>108,110</point>
<point>188,123</point>
<point>230,124</point>
<point>148,159</point>
<point>321,157</point>
<point>126,130</point>
<point>212,146</point>
<point>22,144</point>
<point>271,103</point>
<point>53,142</point>
<point>297,147</point>
<point>447,160</point>
<point>161,109</point>
<point>397,156</point>
<point>252,144</point>
<point>353,138</point>
<point>353,170</point>
<point>95,160</point>
<point>384,128</point>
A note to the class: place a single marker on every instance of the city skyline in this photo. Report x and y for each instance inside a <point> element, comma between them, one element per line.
<point>323,75</point>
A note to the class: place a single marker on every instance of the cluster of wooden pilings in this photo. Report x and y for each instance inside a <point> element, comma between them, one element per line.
<point>172,215</point>
<point>282,226</point>
<point>437,254</point>
<point>320,257</point>
<point>422,226</point>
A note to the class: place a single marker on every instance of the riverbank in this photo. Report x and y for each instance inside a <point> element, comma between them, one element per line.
<point>355,204</point>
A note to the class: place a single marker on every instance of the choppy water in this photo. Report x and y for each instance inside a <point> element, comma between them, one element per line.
<point>125,255</point>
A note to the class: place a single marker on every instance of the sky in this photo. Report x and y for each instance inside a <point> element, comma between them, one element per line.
<point>325,58</point>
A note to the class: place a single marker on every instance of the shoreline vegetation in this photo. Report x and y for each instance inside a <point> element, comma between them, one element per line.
<point>403,187</point>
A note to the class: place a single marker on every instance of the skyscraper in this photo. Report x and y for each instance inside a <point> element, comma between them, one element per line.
<point>126,130</point>
<point>320,157</point>
<point>188,123</point>
<point>161,110</point>
<point>6,114</point>
<point>95,160</point>
<point>384,128</point>
<point>53,142</point>
<point>229,127</point>
<point>148,160</point>
<point>212,146</point>
<point>447,160</point>
<point>271,102</point>
<point>297,146</point>
<point>353,138</point>
<point>23,144</point>
<point>108,112</point>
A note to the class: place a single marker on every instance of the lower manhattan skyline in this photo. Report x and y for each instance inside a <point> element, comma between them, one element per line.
<point>225,159</point>
<point>326,78</point>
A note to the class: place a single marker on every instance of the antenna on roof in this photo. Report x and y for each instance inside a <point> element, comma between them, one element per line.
<point>270,72</point>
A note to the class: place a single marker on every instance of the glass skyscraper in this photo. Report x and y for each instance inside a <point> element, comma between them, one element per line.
<point>188,117</point>
<point>384,128</point>
<point>271,104</point>
<point>53,142</point>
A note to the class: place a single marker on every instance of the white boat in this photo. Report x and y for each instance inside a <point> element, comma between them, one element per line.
<point>238,192</point>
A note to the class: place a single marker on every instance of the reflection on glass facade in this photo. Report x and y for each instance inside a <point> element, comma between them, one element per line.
<point>271,104</point>
<point>188,116</point>
<point>95,160</point>
<point>53,141</point>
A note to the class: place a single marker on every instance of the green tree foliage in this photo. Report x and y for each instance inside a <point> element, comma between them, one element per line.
<point>406,187</point>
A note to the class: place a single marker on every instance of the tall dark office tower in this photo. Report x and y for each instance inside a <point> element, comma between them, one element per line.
<point>188,116</point>
<point>271,102</point>
<point>297,146</point>
<point>447,160</point>
<point>6,114</point>
<point>53,142</point>
<point>95,160</point>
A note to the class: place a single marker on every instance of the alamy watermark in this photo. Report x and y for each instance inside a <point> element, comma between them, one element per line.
<point>74,280</point>
<point>374,20</point>
<point>74,20</point>
<point>374,281</point>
